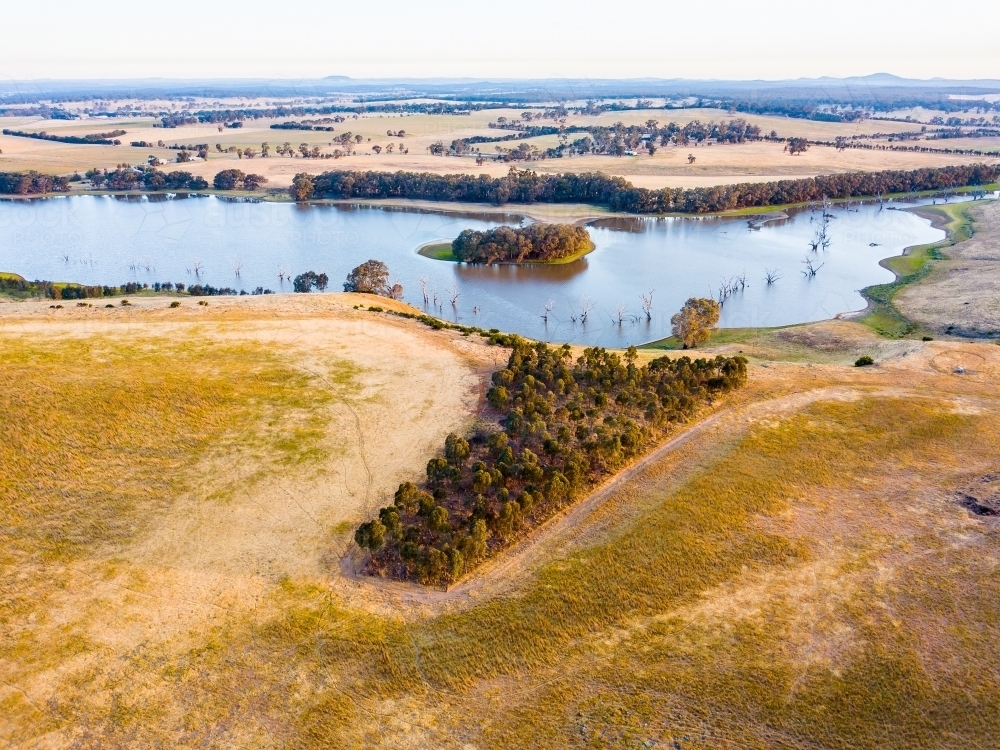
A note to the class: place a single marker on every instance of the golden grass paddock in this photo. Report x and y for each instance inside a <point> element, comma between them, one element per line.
<point>179,484</point>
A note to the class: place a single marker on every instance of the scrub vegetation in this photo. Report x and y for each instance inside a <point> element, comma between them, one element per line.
<point>563,426</point>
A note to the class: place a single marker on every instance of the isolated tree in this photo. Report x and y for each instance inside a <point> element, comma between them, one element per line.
<point>797,146</point>
<point>302,187</point>
<point>377,149</point>
<point>694,323</point>
<point>371,277</point>
<point>265,150</point>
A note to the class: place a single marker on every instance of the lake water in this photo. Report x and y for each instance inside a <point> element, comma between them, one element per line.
<point>111,240</point>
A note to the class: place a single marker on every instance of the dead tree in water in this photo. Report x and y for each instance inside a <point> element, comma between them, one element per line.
<point>811,270</point>
<point>548,308</point>
<point>585,307</point>
<point>771,276</point>
<point>620,313</point>
<point>647,303</point>
<point>454,294</point>
<point>423,288</point>
<point>822,238</point>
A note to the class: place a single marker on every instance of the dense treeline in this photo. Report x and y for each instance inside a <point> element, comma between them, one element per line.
<point>300,126</point>
<point>617,194</point>
<point>536,242</point>
<point>18,286</point>
<point>31,183</point>
<point>564,425</point>
<point>257,113</point>
<point>101,139</point>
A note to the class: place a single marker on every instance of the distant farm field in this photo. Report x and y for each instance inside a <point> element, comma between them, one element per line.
<point>669,166</point>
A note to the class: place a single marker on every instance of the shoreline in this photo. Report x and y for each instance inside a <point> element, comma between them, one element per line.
<point>578,214</point>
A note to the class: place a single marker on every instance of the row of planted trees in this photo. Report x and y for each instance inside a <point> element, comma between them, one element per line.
<point>561,426</point>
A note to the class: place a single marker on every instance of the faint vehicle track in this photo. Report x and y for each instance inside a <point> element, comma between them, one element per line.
<point>495,575</point>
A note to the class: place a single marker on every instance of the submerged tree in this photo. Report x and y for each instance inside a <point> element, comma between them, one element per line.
<point>694,323</point>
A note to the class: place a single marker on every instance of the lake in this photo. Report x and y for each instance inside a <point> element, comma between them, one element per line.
<point>207,239</point>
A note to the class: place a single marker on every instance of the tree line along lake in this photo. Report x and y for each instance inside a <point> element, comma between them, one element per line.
<point>246,244</point>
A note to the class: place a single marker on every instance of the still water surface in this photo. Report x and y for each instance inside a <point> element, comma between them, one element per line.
<point>110,240</point>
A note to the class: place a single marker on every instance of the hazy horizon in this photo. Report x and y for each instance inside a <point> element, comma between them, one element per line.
<point>445,38</point>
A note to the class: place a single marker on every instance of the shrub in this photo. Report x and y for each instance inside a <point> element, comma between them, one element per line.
<point>864,361</point>
<point>175,303</point>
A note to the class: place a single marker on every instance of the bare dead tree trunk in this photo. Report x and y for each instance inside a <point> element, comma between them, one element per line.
<point>647,304</point>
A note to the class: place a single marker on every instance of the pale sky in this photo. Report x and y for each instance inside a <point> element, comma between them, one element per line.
<point>515,38</point>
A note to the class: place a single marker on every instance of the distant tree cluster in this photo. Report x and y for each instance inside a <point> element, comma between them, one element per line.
<point>144,178</point>
<point>616,193</point>
<point>235,179</point>
<point>100,139</point>
<point>563,426</point>
<point>306,282</point>
<point>536,242</point>
<point>18,286</point>
<point>31,183</point>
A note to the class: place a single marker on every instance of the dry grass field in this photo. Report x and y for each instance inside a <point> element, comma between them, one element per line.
<point>716,164</point>
<point>960,294</point>
<point>802,571</point>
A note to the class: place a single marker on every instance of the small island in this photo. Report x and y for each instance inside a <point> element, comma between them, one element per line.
<point>537,243</point>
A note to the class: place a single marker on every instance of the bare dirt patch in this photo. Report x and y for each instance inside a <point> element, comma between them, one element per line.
<point>982,495</point>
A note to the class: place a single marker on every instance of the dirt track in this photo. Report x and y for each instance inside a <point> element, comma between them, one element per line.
<point>515,564</point>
